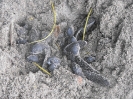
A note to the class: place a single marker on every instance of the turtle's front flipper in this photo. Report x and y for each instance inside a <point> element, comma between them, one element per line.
<point>82,43</point>
<point>97,78</point>
<point>84,65</point>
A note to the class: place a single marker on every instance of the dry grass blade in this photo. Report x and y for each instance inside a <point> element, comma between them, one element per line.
<point>53,9</point>
<point>86,22</point>
<point>45,71</point>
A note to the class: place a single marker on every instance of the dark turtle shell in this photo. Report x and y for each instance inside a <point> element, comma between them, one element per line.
<point>53,60</point>
<point>72,39</point>
<point>70,31</point>
<point>90,59</point>
<point>38,48</point>
<point>52,67</point>
<point>72,48</point>
<point>33,58</point>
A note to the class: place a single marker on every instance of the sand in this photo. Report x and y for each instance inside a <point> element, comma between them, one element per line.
<point>111,42</point>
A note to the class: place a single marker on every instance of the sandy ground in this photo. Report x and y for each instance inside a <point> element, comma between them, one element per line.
<point>111,42</point>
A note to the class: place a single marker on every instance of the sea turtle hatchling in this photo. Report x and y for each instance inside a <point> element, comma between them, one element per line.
<point>81,67</point>
<point>53,63</point>
<point>38,48</point>
<point>72,50</point>
<point>74,46</point>
<point>33,58</point>
<point>53,60</point>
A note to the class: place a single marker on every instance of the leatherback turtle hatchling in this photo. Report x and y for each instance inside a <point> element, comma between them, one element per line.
<point>38,52</point>
<point>79,65</point>
<point>53,63</point>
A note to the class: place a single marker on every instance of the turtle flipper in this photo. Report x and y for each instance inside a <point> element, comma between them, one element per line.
<point>97,78</point>
<point>82,43</point>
